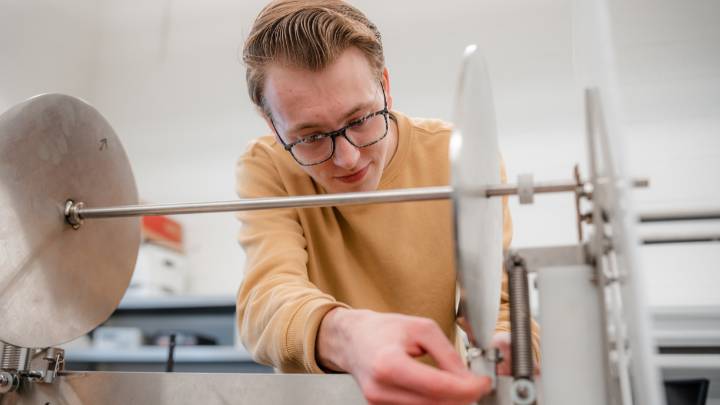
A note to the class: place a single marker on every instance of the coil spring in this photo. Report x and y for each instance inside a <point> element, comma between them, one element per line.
<point>522,356</point>
<point>14,358</point>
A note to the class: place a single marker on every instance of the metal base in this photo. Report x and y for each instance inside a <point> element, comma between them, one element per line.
<point>207,389</point>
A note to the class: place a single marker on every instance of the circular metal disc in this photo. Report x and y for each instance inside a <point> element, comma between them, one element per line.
<point>475,160</point>
<point>57,283</point>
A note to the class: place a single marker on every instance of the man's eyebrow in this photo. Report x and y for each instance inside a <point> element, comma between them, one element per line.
<point>353,111</point>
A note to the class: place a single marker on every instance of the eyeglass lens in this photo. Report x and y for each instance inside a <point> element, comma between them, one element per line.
<point>363,134</point>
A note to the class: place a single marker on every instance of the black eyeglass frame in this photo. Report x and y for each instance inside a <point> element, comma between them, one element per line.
<point>339,132</point>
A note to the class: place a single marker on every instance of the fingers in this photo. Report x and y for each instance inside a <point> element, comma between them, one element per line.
<point>381,394</point>
<point>383,364</point>
<point>389,393</point>
<point>428,382</point>
<point>433,341</point>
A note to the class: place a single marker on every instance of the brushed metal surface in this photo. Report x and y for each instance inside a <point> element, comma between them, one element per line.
<point>85,388</point>
<point>91,388</point>
<point>475,160</point>
<point>57,283</point>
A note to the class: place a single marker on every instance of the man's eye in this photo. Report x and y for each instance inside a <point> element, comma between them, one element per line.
<point>357,123</point>
<point>312,138</point>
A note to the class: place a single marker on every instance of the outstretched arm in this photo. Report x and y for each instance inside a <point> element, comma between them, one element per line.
<point>279,310</point>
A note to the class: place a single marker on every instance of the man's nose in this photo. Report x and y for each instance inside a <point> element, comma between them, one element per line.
<point>346,154</point>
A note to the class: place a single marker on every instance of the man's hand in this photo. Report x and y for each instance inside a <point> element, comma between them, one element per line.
<point>378,350</point>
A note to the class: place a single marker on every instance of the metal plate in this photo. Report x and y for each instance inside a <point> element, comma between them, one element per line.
<point>209,389</point>
<point>475,160</point>
<point>596,71</point>
<point>57,283</point>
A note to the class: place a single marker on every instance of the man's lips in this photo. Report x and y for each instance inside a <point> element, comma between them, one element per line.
<point>354,177</point>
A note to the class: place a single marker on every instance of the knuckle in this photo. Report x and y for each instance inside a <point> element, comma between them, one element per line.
<point>373,394</point>
<point>380,371</point>
<point>437,391</point>
<point>425,325</point>
<point>472,391</point>
<point>461,393</point>
<point>428,323</point>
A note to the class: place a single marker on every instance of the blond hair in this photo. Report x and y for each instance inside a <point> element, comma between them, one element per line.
<point>308,35</point>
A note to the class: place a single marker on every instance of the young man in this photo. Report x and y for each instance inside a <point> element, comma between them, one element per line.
<point>358,289</point>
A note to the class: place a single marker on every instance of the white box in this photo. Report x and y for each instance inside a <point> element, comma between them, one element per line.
<point>114,337</point>
<point>159,272</point>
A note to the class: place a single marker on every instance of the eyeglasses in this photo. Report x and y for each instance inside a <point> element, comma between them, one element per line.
<point>318,148</point>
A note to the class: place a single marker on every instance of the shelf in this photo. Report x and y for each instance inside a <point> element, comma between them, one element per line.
<point>158,354</point>
<point>689,361</point>
<point>691,326</point>
<point>688,338</point>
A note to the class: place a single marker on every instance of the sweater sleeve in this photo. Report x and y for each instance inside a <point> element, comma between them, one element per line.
<point>503,323</point>
<point>278,309</point>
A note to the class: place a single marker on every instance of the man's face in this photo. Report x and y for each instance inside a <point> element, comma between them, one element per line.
<point>303,103</point>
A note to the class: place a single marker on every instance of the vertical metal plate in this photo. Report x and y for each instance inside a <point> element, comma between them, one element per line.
<point>57,283</point>
<point>475,160</point>
<point>628,308</point>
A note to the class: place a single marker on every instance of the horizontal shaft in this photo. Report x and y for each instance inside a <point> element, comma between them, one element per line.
<point>666,216</point>
<point>320,200</point>
<point>250,204</point>
<point>681,238</point>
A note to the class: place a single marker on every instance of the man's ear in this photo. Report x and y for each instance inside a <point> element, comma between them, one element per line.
<point>386,84</point>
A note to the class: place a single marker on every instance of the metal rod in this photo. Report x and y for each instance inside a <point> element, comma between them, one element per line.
<point>79,211</point>
<point>679,238</point>
<point>170,366</point>
<point>322,200</point>
<point>667,216</point>
<point>326,200</point>
<point>538,188</point>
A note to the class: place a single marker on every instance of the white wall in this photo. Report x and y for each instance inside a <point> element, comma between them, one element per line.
<point>669,61</point>
<point>166,74</point>
<point>170,81</point>
<point>46,46</point>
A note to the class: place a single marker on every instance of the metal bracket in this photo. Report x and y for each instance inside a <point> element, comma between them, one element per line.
<point>52,363</point>
<point>32,365</point>
<point>9,382</point>
<point>72,215</point>
<point>478,359</point>
<point>526,191</point>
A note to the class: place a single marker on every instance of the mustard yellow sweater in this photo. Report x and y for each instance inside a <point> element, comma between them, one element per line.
<point>301,263</point>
